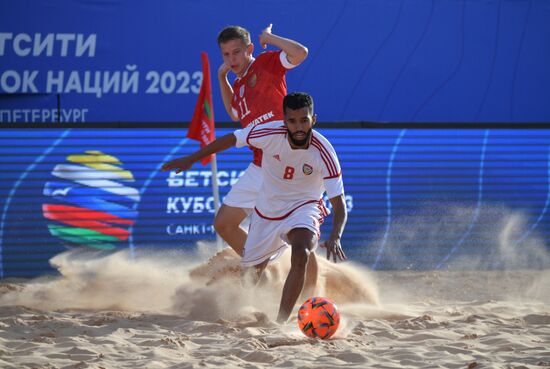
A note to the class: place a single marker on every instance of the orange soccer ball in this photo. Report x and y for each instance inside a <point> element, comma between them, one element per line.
<point>318,317</point>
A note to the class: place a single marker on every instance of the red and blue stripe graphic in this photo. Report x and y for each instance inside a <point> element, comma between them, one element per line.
<point>92,205</point>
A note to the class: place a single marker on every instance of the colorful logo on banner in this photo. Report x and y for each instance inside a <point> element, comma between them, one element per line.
<point>91,205</point>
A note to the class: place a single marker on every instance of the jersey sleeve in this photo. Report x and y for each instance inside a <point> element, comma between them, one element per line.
<point>272,62</point>
<point>259,135</point>
<point>334,186</point>
<point>242,134</point>
<point>284,61</point>
<point>331,170</point>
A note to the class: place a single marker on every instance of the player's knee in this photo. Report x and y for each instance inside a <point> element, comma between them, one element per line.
<point>222,225</point>
<point>302,238</point>
<point>226,222</point>
<point>219,225</point>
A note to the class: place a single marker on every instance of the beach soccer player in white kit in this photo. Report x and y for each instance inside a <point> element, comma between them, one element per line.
<point>298,166</point>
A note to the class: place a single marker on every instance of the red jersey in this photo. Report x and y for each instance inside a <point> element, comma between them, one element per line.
<point>258,94</point>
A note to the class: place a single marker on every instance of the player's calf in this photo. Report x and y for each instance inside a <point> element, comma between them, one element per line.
<point>303,242</point>
<point>227,225</point>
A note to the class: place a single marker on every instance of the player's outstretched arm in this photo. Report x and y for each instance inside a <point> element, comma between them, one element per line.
<point>185,162</point>
<point>226,90</point>
<point>295,52</point>
<point>340,216</point>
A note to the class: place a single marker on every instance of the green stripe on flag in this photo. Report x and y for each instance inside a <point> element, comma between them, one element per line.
<point>207,109</point>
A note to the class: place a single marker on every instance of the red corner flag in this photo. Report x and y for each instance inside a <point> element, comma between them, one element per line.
<point>202,124</point>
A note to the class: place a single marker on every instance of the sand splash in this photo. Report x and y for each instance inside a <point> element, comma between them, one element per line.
<point>180,284</point>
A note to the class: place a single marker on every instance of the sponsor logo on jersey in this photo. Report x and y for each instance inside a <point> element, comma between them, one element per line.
<point>277,157</point>
<point>307,169</point>
<point>263,118</point>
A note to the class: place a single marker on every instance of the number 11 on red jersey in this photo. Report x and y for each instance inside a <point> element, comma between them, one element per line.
<point>244,108</point>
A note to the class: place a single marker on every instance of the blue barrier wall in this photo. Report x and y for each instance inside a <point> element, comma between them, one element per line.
<point>376,60</point>
<point>422,199</point>
<point>418,198</point>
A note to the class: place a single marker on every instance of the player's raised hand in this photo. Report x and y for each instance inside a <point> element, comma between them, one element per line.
<point>334,249</point>
<point>264,37</point>
<point>223,70</point>
<point>179,164</point>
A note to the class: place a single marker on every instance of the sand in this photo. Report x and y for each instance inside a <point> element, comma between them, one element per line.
<point>183,311</point>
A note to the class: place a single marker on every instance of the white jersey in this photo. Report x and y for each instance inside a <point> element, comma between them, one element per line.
<point>292,178</point>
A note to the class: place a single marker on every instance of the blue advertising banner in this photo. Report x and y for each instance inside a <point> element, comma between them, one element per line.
<point>387,61</point>
<point>421,199</point>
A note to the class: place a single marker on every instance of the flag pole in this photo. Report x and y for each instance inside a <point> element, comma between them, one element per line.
<point>202,129</point>
<point>216,195</point>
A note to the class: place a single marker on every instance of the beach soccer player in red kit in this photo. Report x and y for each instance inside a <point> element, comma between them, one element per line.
<point>256,97</point>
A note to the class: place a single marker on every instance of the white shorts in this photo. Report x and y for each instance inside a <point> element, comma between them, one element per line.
<point>267,239</point>
<point>244,192</point>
